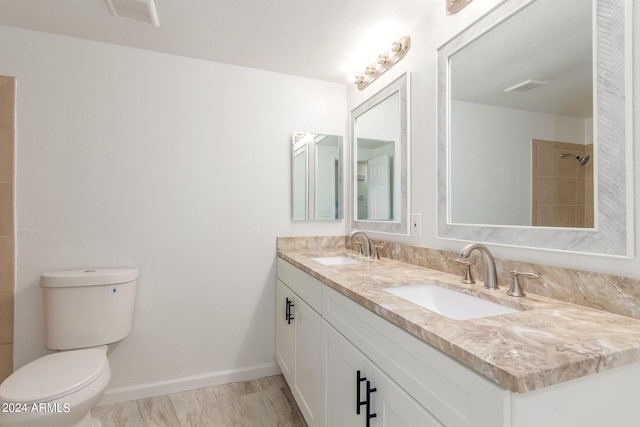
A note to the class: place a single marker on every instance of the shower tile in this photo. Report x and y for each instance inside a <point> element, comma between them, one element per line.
<point>580,192</point>
<point>589,220</point>
<point>6,316</point>
<point>6,155</point>
<point>7,101</point>
<point>6,208</point>
<point>547,191</point>
<point>6,263</point>
<point>568,167</point>
<point>566,191</point>
<point>6,361</point>
<point>547,215</point>
<point>566,216</point>
<point>580,216</point>
<point>588,192</point>
<point>547,162</point>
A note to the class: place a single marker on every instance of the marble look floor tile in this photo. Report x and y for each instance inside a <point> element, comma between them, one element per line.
<point>125,414</point>
<point>275,381</point>
<point>263,402</point>
<point>158,412</point>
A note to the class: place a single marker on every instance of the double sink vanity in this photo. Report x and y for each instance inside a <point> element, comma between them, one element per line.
<point>364,341</point>
<point>378,342</point>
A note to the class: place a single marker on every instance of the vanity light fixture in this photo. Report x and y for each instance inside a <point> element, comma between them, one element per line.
<point>455,6</point>
<point>385,61</point>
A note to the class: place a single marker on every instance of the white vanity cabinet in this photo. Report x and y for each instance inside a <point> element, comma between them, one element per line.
<point>323,339</point>
<point>332,342</point>
<point>298,321</point>
<point>449,393</point>
<point>357,393</point>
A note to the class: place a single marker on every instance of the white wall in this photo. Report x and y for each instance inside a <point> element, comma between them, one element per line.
<point>495,143</point>
<point>180,167</point>
<point>432,30</point>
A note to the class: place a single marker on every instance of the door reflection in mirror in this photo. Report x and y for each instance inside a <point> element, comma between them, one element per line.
<point>378,190</point>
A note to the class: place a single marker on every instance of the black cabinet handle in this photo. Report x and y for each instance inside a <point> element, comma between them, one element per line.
<point>287,311</point>
<point>369,414</point>
<point>359,403</point>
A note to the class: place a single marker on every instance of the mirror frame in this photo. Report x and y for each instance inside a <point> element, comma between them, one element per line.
<point>613,233</point>
<point>311,161</point>
<point>401,224</point>
<point>299,148</point>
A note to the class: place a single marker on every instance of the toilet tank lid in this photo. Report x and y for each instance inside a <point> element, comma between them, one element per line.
<point>53,376</point>
<point>88,277</point>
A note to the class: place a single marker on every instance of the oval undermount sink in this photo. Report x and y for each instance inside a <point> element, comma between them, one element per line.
<point>336,260</point>
<point>449,303</point>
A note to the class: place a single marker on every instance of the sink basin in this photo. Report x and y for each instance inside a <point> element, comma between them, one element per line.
<point>449,303</point>
<point>336,260</point>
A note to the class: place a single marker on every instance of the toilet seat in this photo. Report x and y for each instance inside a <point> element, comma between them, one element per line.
<point>53,376</point>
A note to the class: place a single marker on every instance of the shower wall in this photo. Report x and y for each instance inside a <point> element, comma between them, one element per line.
<point>7,150</point>
<point>562,190</point>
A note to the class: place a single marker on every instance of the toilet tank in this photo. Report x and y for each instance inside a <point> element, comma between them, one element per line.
<point>87,308</point>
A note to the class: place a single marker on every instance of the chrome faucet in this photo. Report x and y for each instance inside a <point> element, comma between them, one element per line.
<point>365,239</point>
<point>490,274</point>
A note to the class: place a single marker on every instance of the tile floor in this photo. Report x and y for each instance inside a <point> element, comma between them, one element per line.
<point>262,402</point>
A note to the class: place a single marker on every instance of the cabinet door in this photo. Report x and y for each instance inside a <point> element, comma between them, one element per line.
<point>285,332</point>
<point>298,350</point>
<point>307,384</point>
<point>340,363</point>
<point>389,405</point>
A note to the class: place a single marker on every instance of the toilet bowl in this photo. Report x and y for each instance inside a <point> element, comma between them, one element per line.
<point>57,390</point>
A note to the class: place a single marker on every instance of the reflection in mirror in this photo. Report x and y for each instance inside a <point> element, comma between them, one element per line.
<point>317,176</point>
<point>328,181</point>
<point>379,169</point>
<point>534,139</point>
<point>378,131</point>
<point>516,133</point>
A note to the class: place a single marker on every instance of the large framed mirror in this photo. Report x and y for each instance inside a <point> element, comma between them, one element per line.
<point>316,177</point>
<point>534,128</point>
<point>379,169</point>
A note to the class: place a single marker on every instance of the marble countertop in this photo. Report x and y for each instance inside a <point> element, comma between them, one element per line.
<point>546,343</point>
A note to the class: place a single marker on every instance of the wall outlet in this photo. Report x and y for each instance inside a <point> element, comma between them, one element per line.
<point>416,228</point>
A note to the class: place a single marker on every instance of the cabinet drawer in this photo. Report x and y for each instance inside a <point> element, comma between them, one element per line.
<point>305,286</point>
<point>457,396</point>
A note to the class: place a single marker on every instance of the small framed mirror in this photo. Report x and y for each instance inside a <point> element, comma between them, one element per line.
<point>380,152</point>
<point>316,177</point>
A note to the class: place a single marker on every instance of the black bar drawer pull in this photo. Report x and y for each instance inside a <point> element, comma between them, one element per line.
<point>359,403</point>
<point>287,312</point>
<point>369,414</point>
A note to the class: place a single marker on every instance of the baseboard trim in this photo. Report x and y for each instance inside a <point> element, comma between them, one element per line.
<point>176,385</point>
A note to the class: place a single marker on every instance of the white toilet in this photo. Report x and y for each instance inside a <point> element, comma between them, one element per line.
<point>84,311</point>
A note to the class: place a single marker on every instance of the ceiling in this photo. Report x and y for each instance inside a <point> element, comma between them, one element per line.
<point>319,39</point>
<point>333,39</point>
<point>547,41</point>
